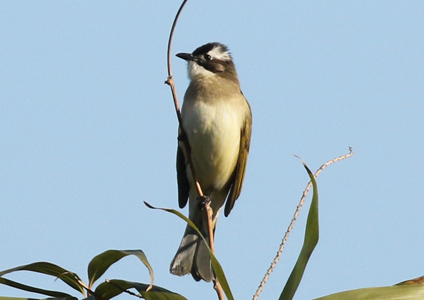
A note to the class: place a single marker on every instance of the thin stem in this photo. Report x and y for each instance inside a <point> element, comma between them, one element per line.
<point>170,82</point>
<point>184,141</point>
<point>89,291</point>
<point>218,289</point>
<point>209,211</point>
<point>296,214</point>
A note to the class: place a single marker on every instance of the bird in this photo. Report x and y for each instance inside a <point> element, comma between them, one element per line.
<point>217,123</point>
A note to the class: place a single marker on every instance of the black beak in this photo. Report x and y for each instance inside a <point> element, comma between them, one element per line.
<point>185,56</point>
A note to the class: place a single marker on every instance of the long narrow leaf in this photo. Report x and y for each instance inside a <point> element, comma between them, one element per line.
<point>47,268</point>
<point>113,288</point>
<point>50,298</point>
<point>404,292</point>
<point>99,264</point>
<point>219,273</point>
<point>310,241</point>
<point>20,298</point>
<point>418,280</point>
<point>32,289</point>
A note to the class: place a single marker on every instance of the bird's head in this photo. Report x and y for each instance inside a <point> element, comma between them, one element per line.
<point>212,59</point>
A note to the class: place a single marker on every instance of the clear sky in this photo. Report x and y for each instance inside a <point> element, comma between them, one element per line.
<point>88,132</point>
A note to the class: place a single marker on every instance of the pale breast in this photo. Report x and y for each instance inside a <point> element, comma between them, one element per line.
<point>213,130</point>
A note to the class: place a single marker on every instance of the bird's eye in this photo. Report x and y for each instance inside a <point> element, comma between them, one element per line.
<point>208,57</point>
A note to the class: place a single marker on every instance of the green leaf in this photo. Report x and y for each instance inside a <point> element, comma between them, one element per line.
<point>17,285</point>
<point>404,292</point>
<point>47,268</point>
<point>310,241</point>
<point>112,288</point>
<point>19,298</point>
<point>219,273</point>
<point>99,264</point>
<point>417,280</point>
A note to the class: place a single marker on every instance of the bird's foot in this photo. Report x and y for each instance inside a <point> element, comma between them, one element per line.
<point>203,201</point>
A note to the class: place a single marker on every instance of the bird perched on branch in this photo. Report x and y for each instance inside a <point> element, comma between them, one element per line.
<point>217,123</point>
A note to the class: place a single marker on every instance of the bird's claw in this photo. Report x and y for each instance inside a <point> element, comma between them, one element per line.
<point>203,201</point>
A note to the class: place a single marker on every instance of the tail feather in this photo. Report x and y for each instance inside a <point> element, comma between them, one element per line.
<point>183,260</point>
<point>202,268</point>
<point>193,254</point>
<point>193,257</point>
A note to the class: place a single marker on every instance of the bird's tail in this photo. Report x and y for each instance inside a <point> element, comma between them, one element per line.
<point>193,254</point>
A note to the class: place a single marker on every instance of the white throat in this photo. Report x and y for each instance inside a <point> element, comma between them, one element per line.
<point>197,72</point>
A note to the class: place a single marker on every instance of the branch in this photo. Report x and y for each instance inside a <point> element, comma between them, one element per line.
<point>296,214</point>
<point>184,141</point>
<point>170,82</point>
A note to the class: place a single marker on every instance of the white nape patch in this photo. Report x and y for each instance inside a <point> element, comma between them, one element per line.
<point>217,53</point>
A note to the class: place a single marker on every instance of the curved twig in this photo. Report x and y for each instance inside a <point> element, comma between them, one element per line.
<point>296,214</point>
<point>170,81</point>
<point>183,139</point>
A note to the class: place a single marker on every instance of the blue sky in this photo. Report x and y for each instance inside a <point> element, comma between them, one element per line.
<point>88,132</point>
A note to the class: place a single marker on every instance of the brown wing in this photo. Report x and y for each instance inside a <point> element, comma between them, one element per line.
<point>240,170</point>
<point>182,180</point>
